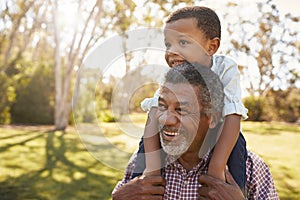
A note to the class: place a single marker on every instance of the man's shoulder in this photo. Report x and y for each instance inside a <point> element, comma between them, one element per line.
<point>255,159</point>
<point>259,184</point>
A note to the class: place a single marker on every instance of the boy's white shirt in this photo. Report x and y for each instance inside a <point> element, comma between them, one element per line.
<point>227,70</point>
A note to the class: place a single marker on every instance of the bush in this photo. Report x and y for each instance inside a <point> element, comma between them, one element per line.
<point>255,106</point>
<point>7,97</point>
<point>35,98</point>
<point>106,116</point>
<point>284,105</point>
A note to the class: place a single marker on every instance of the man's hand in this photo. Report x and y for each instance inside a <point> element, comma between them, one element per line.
<point>143,187</point>
<point>216,189</point>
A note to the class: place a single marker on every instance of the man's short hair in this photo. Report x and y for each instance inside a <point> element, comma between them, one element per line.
<point>210,88</point>
<point>207,19</point>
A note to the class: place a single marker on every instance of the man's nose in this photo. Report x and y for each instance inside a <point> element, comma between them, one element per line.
<point>168,118</point>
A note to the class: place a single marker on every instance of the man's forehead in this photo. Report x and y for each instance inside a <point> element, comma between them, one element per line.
<point>179,92</point>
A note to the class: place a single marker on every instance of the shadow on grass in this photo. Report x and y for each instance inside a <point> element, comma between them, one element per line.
<point>20,143</point>
<point>59,176</point>
<point>17,135</point>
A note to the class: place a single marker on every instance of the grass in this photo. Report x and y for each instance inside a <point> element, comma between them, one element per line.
<point>51,165</point>
<point>278,145</point>
<point>37,163</point>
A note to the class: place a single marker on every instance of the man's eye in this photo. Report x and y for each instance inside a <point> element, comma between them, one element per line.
<point>183,42</point>
<point>182,111</point>
<point>162,107</point>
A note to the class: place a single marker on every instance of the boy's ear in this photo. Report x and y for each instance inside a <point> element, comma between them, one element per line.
<point>213,46</point>
<point>214,120</point>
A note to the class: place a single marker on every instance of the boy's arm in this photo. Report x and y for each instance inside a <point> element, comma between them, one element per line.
<point>152,144</point>
<point>224,146</point>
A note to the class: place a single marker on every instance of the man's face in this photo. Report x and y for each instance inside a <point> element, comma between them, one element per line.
<point>183,126</point>
<point>185,42</point>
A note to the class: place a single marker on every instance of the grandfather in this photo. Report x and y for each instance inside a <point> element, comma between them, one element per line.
<point>189,102</point>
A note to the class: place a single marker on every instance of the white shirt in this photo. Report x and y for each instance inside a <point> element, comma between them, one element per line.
<point>228,72</point>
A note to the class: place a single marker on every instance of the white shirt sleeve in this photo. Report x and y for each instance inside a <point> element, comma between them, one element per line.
<point>229,74</point>
<point>150,102</point>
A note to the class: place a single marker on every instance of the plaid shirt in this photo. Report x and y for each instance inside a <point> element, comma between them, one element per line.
<point>183,184</point>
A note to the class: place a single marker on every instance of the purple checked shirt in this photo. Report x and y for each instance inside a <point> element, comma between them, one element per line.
<point>183,184</point>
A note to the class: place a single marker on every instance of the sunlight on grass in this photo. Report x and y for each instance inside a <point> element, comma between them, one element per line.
<point>55,165</point>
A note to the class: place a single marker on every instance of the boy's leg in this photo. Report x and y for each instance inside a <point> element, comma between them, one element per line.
<point>140,164</point>
<point>237,162</point>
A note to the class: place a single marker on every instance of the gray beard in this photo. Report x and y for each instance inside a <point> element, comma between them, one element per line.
<point>174,149</point>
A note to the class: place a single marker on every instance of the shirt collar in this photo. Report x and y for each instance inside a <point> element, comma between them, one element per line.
<point>172,162</point>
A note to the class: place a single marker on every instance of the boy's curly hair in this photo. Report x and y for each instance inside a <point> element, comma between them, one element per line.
<point>207,19</point>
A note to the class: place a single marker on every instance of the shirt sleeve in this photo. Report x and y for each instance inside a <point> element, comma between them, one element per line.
<point>150,102</point>
<point>229,74</point>
<point>128,173</point>
<point>260,183</point>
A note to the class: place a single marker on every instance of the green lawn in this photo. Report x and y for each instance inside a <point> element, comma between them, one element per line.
<point>37,163</point>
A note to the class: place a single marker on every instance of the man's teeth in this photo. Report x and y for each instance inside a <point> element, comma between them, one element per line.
<point>171,133</point>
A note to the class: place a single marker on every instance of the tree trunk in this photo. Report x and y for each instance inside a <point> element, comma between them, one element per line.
<point>59,109</point>
<point>63,105</point>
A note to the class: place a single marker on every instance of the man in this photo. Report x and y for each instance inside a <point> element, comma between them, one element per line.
<point>190,101</point>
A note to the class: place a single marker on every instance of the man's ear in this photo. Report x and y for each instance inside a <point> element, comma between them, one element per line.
<point>213,46</point>
<point>214,120</point>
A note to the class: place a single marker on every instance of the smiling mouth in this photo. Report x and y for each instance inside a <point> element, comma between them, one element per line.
<point>176,62</point>
<point>170,133</point>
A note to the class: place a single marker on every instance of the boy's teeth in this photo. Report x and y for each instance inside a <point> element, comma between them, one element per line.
<point>175,63</point>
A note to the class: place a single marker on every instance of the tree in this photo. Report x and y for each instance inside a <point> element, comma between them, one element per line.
<point>71,45</point>
<point>19,24</point>
<point>267,41</point>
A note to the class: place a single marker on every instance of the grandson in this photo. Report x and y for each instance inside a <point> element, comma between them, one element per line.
<point>192,34</point>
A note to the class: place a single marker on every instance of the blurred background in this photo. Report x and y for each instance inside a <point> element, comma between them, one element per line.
<point>43,44</point>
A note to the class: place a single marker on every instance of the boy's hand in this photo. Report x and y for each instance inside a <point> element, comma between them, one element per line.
<point>219,174</point>
<point>143,187</point>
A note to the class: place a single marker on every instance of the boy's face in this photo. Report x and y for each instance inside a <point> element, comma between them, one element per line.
<point>185,42</point>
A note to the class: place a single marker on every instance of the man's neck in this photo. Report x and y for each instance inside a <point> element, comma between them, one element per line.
<point>189,160</point>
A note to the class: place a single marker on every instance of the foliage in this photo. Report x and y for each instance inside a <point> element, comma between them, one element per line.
<point>284,105</point>
<point>7,97</point>
<point>264,46</point>
<point>255,106</point>
<point>280,105</point>
<point>43,32</point>
<point>145,91</point>
<point>107,116</point>
<point>34,101</point>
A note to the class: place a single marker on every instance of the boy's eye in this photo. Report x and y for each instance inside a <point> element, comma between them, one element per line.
<point>183,42</point>
<point>168,45</point>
